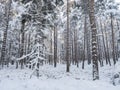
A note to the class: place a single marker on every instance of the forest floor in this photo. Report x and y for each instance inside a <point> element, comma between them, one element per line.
<point>57,79</point>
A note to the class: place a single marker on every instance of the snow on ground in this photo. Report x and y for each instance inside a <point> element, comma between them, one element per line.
<point>57,79</point>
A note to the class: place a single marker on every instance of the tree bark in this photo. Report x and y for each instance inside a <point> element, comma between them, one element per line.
<point>3,51</point>
<point>113,42</point>
<point>103,38</point>
<point>94,40</point>
<point>55,46</point>
<point>22,42</point>
<point>68,41</point>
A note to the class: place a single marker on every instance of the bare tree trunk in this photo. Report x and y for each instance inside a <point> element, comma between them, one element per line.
<point>5,34</point>
<point>55,46</point>
<point>73,54</point>
<point>17,62</point>
<point>94,40</point>
<point>88,46</point>
<point>107,46</point>
<point>87,32</point>
<point>68,41</point>
<point>75,47</point>
<point>113,42</point>
<point>51,51</point>
<point>25,47</point>
<point>84,44</point>
<point>9,57</point>
<point>117,46</point>
<point>22,42</point>
<point>103,38</point>
<point>28,46</point>
<point>99,51</point>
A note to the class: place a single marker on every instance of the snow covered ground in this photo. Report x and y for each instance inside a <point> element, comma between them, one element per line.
<point>57,79</point>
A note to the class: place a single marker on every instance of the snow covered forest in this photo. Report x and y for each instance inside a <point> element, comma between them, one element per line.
<point>59,44</point>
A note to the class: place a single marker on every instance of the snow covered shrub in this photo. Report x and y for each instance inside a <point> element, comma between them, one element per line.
<point>116,79</point>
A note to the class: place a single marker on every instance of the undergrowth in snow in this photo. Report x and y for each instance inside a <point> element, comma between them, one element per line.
<point>57,79</point>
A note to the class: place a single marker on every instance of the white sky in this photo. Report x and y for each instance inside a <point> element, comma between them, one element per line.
<point>117,0</point>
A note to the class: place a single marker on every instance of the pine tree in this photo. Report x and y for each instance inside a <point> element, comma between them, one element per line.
<point>94,40</point>
<point>3,51</point>
<point>68,41</point>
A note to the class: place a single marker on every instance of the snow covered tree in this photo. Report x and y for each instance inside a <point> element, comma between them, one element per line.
<point>3,51</point>
<point>68,40</point>
<point>25,18</point>
<point>94,40</point>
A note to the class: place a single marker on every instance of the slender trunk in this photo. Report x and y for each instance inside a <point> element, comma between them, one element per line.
<point>68,41</point>
<point>3,51</point>
<point>9,57</point>
<point>75,47</point>
<point>107,46</point>
<point>103,38</point>
<point>113,42</point>
<point>55,46</point>
<point>51,51</point>
<point>99,51</point>
<point>84,44</point>
<point>88,46</point>
<point>73,54</point>
<point>22,42</point>
<point>94,40</point>
<point>117,46</point>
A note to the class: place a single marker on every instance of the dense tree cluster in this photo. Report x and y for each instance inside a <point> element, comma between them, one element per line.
<point>37,32</point>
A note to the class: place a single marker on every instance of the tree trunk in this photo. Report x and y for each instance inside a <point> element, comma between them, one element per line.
<point>113,42</point>
<point>75,47</point>
<point>3,51</point>
<point>94,40</point>
<point>68,41</point>
<point>107,46</point>
<point>103,38</point>
<point>22,42</point>
<point>84,44</point>
<point>51,51</point>
<point>55,46</point>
